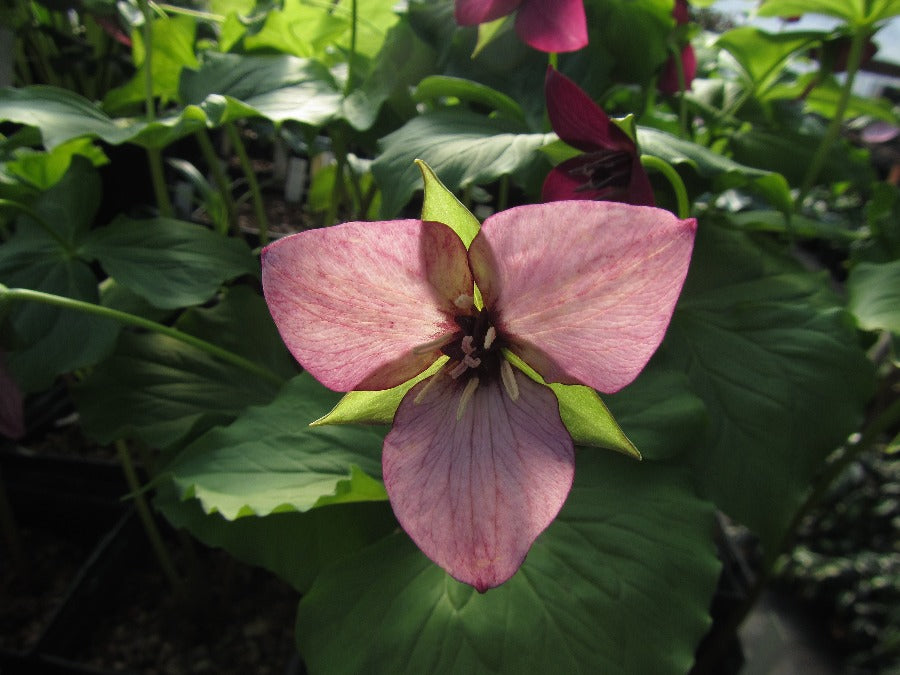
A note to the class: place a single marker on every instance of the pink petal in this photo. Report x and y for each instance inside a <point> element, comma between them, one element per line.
<point>579,121</point>
<point>474,494</point>
<point>474,12</point>
<point>583,291</point>
<point>352,302</point>
<point>552,25</point>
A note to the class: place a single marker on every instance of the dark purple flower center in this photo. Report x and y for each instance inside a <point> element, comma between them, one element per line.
<point>475,350</point>
<point>603,169</point>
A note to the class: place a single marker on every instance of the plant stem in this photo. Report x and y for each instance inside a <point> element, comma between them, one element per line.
<point>258,206</point>
<point>28,295</point>
<point>663,167</point>
<point>218,173</point>
<point>146,516</point>
<point>857,44</point>
<point>354,18</point>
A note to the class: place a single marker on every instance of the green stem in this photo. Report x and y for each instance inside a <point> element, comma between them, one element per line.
<point>31,213</point>
<point>354,18</point>
<point>184,11</point>
<point>854,59</point>
<point>28,295</point>
<point>663,167</point>
<point>503,193</point>
<point>553,60</point>
<point>258,206</point>
<point>146,516</point>
<point>158,177</point>
<point>219,178</point>
<point>682,86</point>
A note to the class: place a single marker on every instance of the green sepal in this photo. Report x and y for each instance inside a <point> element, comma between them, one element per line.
<point>441,205</point>
<point>374,407</point>
<point>487,32</point>
<point>585,415</point>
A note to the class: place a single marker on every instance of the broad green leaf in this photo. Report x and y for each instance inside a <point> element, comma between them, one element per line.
<point>724,172</point>
<point>437,87</point>
<point>441,205</point>
<point>586,417</point>
<point>762,55</point>
<point>163,392</point>
<point>278,87</point>
<point>873,291</point>
<point>295,546</point>
<point>299,28</point>
<point>43,257</point>
<point>630,556</point>
<point>796,226</point>
<point>44,169</point>
<point>172,50</point>
<point>777,363</point>
<point>822,98</point>
<point>461,147</point>
<point>270,460</point>
<point>662,415</point>
<point>855,12</point>
<point>169,262</point>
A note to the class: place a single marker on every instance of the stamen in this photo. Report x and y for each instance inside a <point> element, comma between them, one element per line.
<point>508,377</point>
<point>434,344</point>
<point>429,383</point>
<point>466,345</point>
<point>467,394</point>
<point>464,301</point>
<point>459,369</point>
<point>489,336</point>
<point>471,362</point>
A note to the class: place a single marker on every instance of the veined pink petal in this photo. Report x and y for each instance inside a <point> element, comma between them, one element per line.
<point>354,303</point>
<point>474,12</point>
<point>552,25</point>
<point>474,494</point>
<point>583,291</point>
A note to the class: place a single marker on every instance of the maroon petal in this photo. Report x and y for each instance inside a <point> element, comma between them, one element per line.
<point>668,79</point>
<point>582,178</point>
<point>475,487</point>
<point>474,12</point>
<point>552,25</point>
<point>579,121</point>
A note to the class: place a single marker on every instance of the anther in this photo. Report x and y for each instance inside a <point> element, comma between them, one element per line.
<point>467,394</point>
<point>508,377</point>
<point>489,336</point>
<point>464,301</point>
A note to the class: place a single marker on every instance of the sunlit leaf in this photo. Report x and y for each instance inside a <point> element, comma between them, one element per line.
<point>874,295</point>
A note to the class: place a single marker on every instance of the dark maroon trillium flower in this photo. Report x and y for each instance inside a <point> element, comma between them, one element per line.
<point>610,168</point>
<point>547,25</point>
<point>668,82</point>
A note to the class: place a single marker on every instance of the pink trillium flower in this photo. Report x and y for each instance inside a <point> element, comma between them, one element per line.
<point>478,461</point>
<point>547,25</point>
<point>610,168</point>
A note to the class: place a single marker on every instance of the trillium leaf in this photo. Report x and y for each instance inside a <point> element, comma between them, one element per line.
<point>652,566</point>
<point>463,148</point>
<point>169,262</point>
<point>584,414</point>
<point>855,12</point>
<point>373,407</point>
<point>874,295</point>
<point>441,205</point>
<point>436,87</point>
<point>778,366</point>
<point>270,460</point>
<point>281,542</point>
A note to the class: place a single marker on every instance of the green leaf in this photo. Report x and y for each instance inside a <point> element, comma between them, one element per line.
<point>797,225</point>
<point>44,169</point>
<point>822,98</point>
<point>374,407</point>
<point>162,391</point>
<point>724,172</point>
<point>270,460</point>
<point>873,291</point>
<point>461,147</point>
<point>762,55</point>
<point>855,12</point>
<point>776,362</point>
<point>586,417</point>
<point>42,257</point>
<point>630,555</point>
<point>295,546</point>
<point>278,87</point>
<point>300,29</point>
<point>437,87</point>
<point>169,262</point>
<point>441,205</point>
